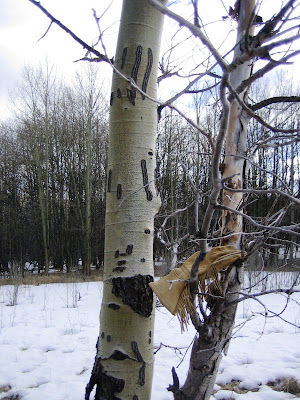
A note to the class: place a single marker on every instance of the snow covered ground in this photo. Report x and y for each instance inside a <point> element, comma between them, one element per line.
<point>47,345</point>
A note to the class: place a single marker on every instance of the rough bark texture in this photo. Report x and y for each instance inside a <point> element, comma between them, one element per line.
<point>215,332</point>
<point>236,136</point>
<point>124,361</point>
<point>211,342</point>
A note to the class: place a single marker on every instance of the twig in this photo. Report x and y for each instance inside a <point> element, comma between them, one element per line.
<point>100,56</point>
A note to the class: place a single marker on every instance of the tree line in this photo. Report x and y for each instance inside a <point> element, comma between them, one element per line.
<point>53,155</point>
<point>53,166</point>
<point>271,166</point>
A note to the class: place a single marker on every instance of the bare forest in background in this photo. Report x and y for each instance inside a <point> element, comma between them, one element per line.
<point>53,156</point>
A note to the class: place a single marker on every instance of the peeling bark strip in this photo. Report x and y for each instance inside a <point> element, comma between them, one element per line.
<point>137,63</point>
<point>119,191</point>
<point>103,392</point>
<point>147,72</point>
<point>145,180</point>
<point>124,54</point>
<point>135,292</point>
<point>109,180</point>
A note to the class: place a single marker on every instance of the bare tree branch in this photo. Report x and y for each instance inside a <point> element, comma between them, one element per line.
<point>274,100</point>
<point>264,191</point>
<point>287,229</point>
<point>193,29</point>
<point>101,57</point>
<point>255,116</point>
<point>263,71</point>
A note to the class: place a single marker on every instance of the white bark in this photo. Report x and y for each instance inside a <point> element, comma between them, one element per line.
<point>124,363</point>
<point>236,135</point>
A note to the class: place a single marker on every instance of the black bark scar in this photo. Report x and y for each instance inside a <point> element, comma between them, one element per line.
<point>135,292</point>
<point>140,359</point>
<point>111,98</point>
<point>147,72</point>
<point>119,191</point>
<point>129,249</point>
<point>109,180</point>
<point>124,54</point>
<point>137,63</point>
<point>145,180</point>
<point>119,269</point>
<point>114,306</point>
<point>107,386</point>
<point>131,94</point>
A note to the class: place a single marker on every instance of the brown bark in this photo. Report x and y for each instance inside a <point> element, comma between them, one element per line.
<point>215,331</point>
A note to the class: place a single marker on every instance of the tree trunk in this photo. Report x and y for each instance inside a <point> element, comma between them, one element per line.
<point>88,196</point>
<point>215,332</point>
<point>236,136</point>
<point>124,361</point>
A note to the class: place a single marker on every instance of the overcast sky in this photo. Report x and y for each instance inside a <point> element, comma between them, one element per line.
<point>22,24</point>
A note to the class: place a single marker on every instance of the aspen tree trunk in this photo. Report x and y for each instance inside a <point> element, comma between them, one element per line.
<point>124,361</point>
<point>215,332</point>
<point>236,137</point>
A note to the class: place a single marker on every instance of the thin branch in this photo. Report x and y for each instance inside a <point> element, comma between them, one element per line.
<point>263,71</point>
<point>100,56</point>
<point>268,30</point>
<point>194,125</point>
<point>264,191</point>
<point>193,285</point>
<point>246,296</point>
<point>195,91</point>
<point>193,29</point>
<point>286,229</point>
<point>255,116</point>
<point>190,85</point>
<point>274,100</point>
<point>48,29</point>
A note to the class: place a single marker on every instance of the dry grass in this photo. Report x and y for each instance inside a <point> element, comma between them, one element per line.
<point>4,389</point>
<point>287,385</point>
<point>56,277</point>
<point>234,386</point>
